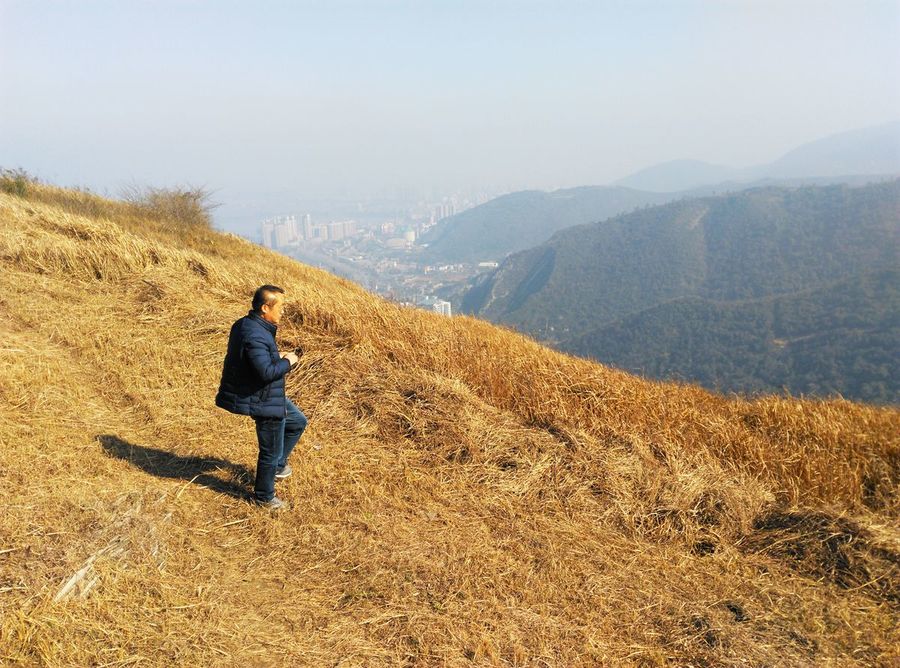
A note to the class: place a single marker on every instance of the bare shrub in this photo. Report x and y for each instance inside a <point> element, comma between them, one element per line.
<point>187,206</point>
<point>15,181</point>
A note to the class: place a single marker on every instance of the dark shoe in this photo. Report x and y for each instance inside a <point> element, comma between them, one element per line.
<point>283,472</point>
<point>273,504</point>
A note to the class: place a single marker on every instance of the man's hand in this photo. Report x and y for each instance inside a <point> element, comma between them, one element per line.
<point>290,357</point>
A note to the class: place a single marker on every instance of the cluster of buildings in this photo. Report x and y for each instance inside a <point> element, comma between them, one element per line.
<point>385,250</point>
<point>396,235</point>
<point>282,231</point>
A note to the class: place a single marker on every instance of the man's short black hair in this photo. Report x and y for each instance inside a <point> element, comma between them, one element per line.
<point>265,294</point>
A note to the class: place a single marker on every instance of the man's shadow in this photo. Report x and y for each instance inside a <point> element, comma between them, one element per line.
<point>198,470</point>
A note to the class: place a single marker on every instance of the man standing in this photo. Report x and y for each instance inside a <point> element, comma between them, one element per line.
<point>253,384</point>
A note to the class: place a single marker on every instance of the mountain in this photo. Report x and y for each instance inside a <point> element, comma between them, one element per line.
<point>873,150</point>
<point>577,288</point>
<point>520,220</point>
<point>462,495</point>
<point>868,151</point>
<point>842,339</point>
<point>676,175</point>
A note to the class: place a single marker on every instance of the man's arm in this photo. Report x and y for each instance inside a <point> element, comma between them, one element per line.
<point>268,366</point>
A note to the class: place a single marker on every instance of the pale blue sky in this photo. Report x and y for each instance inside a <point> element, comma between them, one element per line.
<point>355,97</point>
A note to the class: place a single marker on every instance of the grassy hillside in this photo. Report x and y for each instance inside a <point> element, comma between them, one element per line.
<point>463,495</point>
<point>520,220</point>
<point>767,242</point>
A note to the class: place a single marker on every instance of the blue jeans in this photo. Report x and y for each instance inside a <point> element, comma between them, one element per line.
<point>277,438</point>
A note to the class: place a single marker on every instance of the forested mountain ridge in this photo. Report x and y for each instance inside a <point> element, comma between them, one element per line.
<point>841,339</point>
<point>749,245</point>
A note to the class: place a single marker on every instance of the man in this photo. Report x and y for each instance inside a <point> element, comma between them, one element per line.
<point>253,384</point>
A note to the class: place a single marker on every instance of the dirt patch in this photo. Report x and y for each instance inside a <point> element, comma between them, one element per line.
<point>831,548</point>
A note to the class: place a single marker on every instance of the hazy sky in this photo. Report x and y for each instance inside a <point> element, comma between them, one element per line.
<point>355,97</point>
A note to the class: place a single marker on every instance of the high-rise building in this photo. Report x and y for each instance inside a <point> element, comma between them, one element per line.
<point>335,230</point>
<point>442,307</point>
<point>293,231</point>
<point>307,226</point>
<point>282,234</point>
<point>268,234</point>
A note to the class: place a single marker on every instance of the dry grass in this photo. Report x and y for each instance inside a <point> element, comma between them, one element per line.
<point>463,496</point>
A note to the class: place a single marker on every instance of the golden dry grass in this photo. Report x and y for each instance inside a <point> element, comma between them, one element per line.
<point>463,496</point>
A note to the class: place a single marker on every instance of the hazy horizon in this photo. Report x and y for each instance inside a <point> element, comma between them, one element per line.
<point>358,99</point>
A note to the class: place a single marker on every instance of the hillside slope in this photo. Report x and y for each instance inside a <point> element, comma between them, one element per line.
<point>463,495</point>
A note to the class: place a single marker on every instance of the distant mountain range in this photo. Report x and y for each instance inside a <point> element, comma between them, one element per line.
<point>521,220</point>
<point>764,289</point>
<point>873,150</point>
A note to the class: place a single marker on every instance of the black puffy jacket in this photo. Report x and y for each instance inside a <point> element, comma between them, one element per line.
<point>253,372</point>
